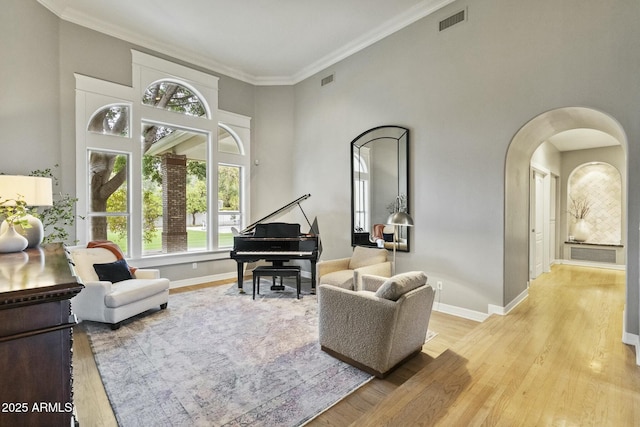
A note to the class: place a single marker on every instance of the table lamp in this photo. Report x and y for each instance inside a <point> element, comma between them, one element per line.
<point>35,191</point>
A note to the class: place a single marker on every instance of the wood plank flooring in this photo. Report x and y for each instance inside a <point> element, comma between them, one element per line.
<point>557,359</point>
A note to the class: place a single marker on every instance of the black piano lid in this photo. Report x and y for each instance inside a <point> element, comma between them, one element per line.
<point>251,227</point>
<point>277,229</point>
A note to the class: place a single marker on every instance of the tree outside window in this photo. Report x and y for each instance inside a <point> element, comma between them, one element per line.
<point>150,182</point>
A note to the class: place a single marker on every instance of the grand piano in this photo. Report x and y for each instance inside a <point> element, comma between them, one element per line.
<point>277,242</point>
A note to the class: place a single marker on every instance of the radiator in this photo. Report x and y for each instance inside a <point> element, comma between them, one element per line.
<point>593,254</point>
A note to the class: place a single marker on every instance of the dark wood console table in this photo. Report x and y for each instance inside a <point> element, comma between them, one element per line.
<point>36,336</point>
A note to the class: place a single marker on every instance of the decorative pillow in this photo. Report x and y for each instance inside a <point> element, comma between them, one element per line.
<point>394,287</point>
<point>112,247</point>
<point>113,271</point>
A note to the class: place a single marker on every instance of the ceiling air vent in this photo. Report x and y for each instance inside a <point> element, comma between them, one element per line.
<point>326,80</point>
<point>454,19</point>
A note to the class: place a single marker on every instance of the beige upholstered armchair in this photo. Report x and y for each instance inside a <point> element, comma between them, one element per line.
<point>112,293</point>
<point>346,272</point>
<point>379,327</point>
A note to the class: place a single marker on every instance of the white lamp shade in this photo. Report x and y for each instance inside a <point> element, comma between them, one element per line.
<point>35,190</point>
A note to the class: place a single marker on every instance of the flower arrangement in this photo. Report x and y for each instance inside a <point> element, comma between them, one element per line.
<point>579,209</point>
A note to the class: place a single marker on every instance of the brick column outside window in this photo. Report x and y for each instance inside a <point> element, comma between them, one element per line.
<point>174,203</point>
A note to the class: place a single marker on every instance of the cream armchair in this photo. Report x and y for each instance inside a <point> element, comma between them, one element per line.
<point>112,301</point>
<point>346,272</point>
<point>379,327</point>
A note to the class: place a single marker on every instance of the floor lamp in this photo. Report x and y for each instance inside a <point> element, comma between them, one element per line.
<point>398,219</point>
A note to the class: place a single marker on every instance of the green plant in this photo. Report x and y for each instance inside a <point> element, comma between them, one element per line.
<point>14,212</point>
<point>57,219</point>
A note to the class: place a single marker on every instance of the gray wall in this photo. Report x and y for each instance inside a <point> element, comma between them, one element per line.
<point>272,178</point>
<point>29,88</point>
<point>464,93</point>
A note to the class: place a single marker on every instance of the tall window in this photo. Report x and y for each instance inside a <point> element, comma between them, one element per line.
<point>109,201</point>
<point>230,184</point>
<point>173,181</point>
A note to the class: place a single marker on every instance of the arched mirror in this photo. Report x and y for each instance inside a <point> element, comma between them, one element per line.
<point>379,186</point>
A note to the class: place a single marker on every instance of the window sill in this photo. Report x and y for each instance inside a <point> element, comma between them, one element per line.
<point>183,258</point>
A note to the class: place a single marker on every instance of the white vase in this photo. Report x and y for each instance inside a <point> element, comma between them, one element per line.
<point>34,234</point>
<point>12,241</point>
<point>581,230</point>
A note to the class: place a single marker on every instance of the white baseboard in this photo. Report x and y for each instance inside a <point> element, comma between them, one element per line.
<point>460,312</point>
<point>591,264</point>
<point>630,339</point>
<point>496,309</point>
<point>202,279</point>
<point>477,315</point>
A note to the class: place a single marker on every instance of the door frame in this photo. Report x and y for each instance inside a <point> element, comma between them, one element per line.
<point>546,219</point>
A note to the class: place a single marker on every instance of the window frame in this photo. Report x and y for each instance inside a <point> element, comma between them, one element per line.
<point>91,96</point>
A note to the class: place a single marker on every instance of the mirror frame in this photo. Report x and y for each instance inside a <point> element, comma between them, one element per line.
<point>367,137</point>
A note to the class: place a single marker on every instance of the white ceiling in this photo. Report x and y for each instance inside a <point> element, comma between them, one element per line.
<point>258,41</point>
<point>580,139</point>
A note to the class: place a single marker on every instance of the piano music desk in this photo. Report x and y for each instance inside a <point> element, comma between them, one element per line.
<point>273,272</point>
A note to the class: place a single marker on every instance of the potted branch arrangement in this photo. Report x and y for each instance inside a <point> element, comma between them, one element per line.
<point>59,218</point>
<point>579,210</point>
<point>14,212</point>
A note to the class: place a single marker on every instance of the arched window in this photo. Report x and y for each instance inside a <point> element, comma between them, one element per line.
<point>230,188</point>
<point>228,141</point>
<point>111,120</point>
<point>173,96</point>
<point>177,184</point>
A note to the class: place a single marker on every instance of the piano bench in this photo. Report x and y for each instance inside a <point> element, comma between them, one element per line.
<point>273,272</point>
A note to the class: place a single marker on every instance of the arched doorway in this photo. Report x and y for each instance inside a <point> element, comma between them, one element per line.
<point>517,181</point>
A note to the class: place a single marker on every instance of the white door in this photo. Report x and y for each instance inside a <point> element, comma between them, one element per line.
<point>552,222</point>
<point>537,220</point>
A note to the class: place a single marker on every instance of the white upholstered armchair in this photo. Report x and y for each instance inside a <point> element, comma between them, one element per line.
<point>346,272</point>
<point>117,294</point>
<point>379,327</point>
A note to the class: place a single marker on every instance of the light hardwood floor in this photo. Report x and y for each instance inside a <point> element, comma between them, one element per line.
<point>556,359</point>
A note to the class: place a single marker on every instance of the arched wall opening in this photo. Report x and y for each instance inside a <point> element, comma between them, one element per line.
<point>517,195</point>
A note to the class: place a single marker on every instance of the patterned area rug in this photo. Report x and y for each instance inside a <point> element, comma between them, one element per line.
<point>218,358</point>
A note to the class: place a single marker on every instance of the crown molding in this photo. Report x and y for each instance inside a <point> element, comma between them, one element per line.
<point>419,11</point>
